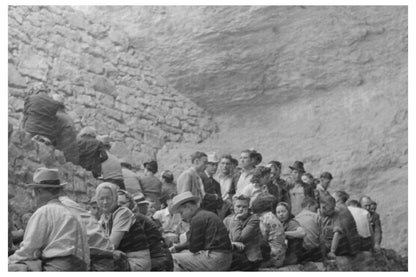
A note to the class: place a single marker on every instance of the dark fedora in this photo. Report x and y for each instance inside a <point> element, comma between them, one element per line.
<point>151,166</point>
<point>326,175</point>
<point>297,165</point>
<point>46,178</point>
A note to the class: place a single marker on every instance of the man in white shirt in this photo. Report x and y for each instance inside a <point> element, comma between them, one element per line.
<point>247,164</point>
<point>53,236</point>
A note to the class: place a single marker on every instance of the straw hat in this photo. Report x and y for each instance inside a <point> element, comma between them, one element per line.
<point>182,198</point>
<point>46,178</point>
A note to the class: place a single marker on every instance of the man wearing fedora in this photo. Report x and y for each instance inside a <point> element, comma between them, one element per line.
<point>212,200</point>
<point>54,237</point>
<point>298,189</point>
<point>189,180</point>
<point>208,247</point>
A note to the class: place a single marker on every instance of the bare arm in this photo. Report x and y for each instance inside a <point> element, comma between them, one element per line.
<point>298,233</point>
<point>116,237</point>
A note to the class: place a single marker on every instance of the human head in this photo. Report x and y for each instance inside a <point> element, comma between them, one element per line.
<point>186,204</point>
<point>167,177</point>
<point>234,164</point>
<point>241,204</point>
<point>307,178</point>
<point>46,185</point>
<point>212,164</point>
<point>283,212</point>
<point>366,202</point>
<point>88,132</point>
<point>169,202</point>
<point>105,139</point>
<point>247,159</point>
<point>340,196</point>
<point>125,199</point>
<point>150,166</point>
<point>353,203</point>
<point>297,170</point>
<point>261,175</point>
<point>327,205</point>
<point>373,207</point>
<point>225,165</point>
<point>142,204</point>
<point>325,180</point>
<point>275,167</point>
<point>310,204</point>
<point>199,161</point>
<point>257,158</point>
<point>107,197</point>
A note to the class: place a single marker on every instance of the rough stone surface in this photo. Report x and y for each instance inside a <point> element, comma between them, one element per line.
<point>325,85</point>
<point>25,156</point>
<point>106,82</point>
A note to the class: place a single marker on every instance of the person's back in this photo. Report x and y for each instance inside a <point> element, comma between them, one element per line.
<point>341,221</point>
<point>39,115</point>
<point>111,168</point>
<point>152,188</point>
<point>131,181</point>
<point>53,232</point>
<point>66,137</point>
<point>91,154</point>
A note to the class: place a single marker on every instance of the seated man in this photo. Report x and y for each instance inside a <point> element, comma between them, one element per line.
<point>53,235</point>
<point>171,224</point>
<point>208,242</point>
<point>308,220</point>
<point>245,235</point>
<point>339,235</point>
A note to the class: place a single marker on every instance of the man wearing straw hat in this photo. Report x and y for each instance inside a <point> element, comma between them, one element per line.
<point>54,239</point>
<point>208,245</point>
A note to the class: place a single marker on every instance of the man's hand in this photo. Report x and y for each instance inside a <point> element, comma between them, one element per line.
<point>238,245</point>
<point>172,249</point>
<point>377,248</point>
<point>331,256</point>
<point>117,254</point>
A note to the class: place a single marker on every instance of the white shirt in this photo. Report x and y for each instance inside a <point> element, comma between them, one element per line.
<point>362,220</point>
<point>53,231</point>
<point>252,191</point>
<point>225,184</point>
<point>243,181</point>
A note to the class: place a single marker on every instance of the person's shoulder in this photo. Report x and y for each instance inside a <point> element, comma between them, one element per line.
<point>122,212</point>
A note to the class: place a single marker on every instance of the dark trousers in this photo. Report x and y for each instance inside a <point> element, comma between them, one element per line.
<point>241,263</point>
<point>68,263</point>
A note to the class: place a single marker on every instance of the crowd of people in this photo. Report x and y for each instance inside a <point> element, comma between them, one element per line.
<point>221,214</point>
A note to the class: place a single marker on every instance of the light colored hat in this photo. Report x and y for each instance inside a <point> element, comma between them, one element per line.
<point>140,199</point>
<point>213,158</point>
<point>105,139</point>
<point>58,98</point>
<point>182,198</point>
<point>46,178</point>
<point>88,131</point>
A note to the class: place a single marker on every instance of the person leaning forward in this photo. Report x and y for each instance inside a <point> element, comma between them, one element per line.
<point>208,244</point>
<point>54,239</point>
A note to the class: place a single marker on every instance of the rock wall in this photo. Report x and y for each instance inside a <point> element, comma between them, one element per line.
<point>24,157</point>
<point>106,81</point>
<point>324,84</point>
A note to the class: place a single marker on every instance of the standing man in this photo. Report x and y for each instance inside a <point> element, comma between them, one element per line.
<point>375,222</point>
<point>130,178</point>
<point>212,200</point>
<point>298,189</point>
<point>225,179</point>
<point>189,180</point>
<point>53,234</point>
<point>151,186</point>
<point>243,179</point>
<point>111,167</point>
<point>208,242</point>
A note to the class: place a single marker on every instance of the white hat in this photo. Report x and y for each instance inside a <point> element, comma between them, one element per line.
<point>182,198</point>
<point>46,178</point>
<point>212,158</point>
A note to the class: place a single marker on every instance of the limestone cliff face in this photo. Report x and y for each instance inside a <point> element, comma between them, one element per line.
<point>325,85</point>
<point>106,82</point>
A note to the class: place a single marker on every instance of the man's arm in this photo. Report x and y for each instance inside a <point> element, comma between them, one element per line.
<point>334,246</point>
<point>196,236</point>
<point>244,234</point>
<point>377,232</point>
<point>35,238</point>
